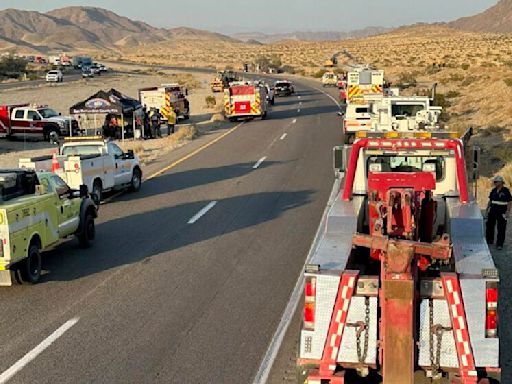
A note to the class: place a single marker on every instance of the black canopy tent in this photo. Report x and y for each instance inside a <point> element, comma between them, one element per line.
<point>110,102</point>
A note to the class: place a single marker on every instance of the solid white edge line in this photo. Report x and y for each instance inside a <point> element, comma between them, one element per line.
<point>330,97</point>
<point>275,344</point>
<point>201,213</point>
<point>284,136</point>
<point>30,356</point>
<point>259,162</point>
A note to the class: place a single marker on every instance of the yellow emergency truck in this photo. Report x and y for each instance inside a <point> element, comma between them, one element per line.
<point>37,211</point>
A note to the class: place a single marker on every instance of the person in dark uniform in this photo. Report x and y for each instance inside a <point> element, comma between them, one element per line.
<point>498,211</point>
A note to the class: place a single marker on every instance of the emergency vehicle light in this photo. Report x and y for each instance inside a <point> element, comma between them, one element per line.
<point>361,134</point>
<point>491,319</point>
<point>392,135</point>
<point>309,303</point>
<point>423,135</point>
<point>83,138</point>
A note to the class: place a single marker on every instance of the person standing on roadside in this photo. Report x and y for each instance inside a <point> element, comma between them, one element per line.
<point>498,212</point>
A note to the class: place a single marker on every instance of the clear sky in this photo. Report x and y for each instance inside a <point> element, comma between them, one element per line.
<point>274,15</point>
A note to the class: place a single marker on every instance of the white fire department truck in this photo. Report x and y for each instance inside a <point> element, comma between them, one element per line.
<point>400,282</point>
<point>100,165</point>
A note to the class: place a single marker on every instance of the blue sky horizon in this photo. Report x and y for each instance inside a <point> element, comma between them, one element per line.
<point>274,16</point>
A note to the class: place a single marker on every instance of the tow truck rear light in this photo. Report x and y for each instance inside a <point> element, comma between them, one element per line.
<point>309,303</point>
<point>491,319</point>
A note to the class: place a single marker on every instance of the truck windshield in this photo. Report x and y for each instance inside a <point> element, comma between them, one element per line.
<point>406,164</point>
<point>81,150</point>
<point>47,113</point>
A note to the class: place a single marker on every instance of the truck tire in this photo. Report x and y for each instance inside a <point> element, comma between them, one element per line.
<point>136,182</point>
<point>89,232</point>
<point>97,189</point>
<point>31,267</point>
<point>50,132</point>
<point>264,115</point>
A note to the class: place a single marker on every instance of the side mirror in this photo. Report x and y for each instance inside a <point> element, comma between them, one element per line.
<point>338,165</point>
<point>61,191</point>
<point>340,114</point>
<point>84,191</point>
<point>477,151</point>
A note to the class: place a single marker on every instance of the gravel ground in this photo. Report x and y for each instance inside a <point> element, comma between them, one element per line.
<point>62,96</point>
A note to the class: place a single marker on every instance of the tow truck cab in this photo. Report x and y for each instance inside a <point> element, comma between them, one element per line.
<point>400,280</point>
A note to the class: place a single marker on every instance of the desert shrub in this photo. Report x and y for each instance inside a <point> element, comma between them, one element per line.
<point>319,73</point>
<point>12,65</point>
<point>468,81</point>
<point>508,81</point>
<point>288,69</point>
<point>432,70</point>
<point>407,79</point>
<point>504,153</point>
<point>465,66</point>
<point>456,77</point>
<point>452,94</point>
<point>211,101</point>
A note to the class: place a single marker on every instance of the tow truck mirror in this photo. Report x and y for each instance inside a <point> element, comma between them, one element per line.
<point>338,160</point>
<point>477,151</point>
<point>340,114</point>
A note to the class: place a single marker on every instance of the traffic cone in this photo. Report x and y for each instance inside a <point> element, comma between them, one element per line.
<point>55,163</point>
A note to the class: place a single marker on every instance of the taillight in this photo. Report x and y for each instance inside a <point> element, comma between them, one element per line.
<point>491,319</point>
<point>309,303</point>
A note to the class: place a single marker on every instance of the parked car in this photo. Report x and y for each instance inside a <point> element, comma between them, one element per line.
<point>96,69</point>
<point>54,76</point>
<point>87,72</point>
<point>103,68</point>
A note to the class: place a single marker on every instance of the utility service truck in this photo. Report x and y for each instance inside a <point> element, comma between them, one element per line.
<point>100,165</point>
<point>364,82</point>
<point>381,114</point>
<point>37,211</point>
<point>400,283</point>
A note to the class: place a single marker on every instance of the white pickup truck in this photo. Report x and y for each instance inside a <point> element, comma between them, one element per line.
<point>99,164</point>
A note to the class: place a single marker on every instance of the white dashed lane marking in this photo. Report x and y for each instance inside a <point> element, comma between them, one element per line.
<point>259,162</point>
<point>30,356</point>
<point>202,212</point>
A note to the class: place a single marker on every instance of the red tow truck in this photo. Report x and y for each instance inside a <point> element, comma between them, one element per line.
<point>400,284</point>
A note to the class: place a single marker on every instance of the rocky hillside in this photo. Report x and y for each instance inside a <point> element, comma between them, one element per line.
<point>82,28</point>
<point>496,19</point>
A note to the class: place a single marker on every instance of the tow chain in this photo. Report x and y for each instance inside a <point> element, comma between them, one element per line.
<point>436,330</point>
<point>360,328</point>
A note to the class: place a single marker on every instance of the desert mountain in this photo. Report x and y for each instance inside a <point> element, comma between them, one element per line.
<point>496,19</point>
<point>310,36</point>
<point>83,28</point>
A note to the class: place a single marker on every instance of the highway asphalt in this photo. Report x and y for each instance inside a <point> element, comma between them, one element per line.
<point>187,279</point>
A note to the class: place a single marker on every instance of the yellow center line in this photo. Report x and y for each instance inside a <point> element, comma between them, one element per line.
<point>193,153</point>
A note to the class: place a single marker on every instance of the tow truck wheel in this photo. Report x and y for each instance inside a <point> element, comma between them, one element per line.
<point>31,268</point>
<point>89,232</point>
<point>136,180</point>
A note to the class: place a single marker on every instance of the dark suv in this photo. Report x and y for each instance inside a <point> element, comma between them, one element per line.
<point>283,88</point>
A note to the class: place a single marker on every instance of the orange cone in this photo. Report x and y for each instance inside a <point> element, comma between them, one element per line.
<point>55,163</point>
